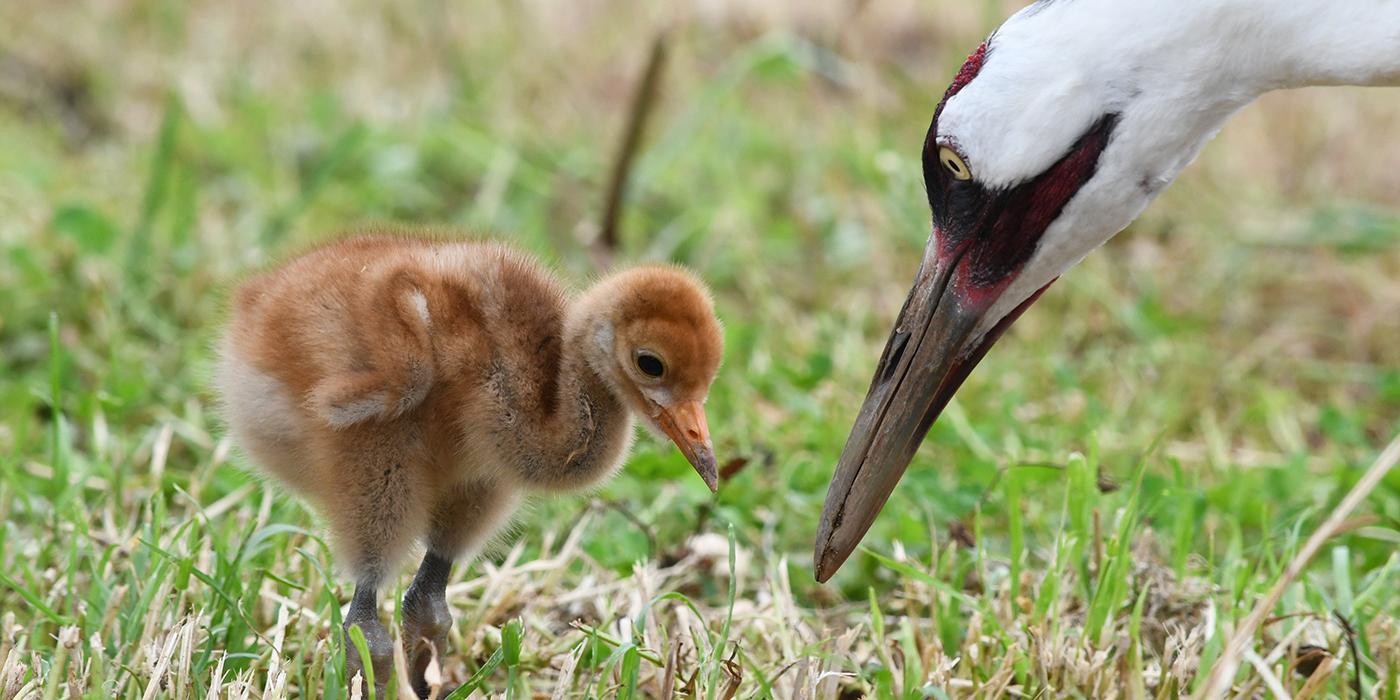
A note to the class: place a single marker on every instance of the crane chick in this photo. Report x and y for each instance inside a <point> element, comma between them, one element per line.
<point>414,390</point>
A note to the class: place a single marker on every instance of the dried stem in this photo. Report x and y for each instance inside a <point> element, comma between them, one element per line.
<point>605,245</point>
<point>1218,683</point>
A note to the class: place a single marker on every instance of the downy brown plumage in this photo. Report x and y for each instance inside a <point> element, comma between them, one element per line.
<point>414,389</point>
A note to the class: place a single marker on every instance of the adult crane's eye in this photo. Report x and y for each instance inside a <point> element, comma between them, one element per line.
<point>953,163</point>
<point>650,364</point>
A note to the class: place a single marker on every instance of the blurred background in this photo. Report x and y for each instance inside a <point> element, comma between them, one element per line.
<point>1233,359</point>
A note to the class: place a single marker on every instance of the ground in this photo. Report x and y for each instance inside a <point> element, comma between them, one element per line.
<point>1114,489</point>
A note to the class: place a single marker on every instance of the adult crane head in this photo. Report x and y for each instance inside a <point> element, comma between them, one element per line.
<point>1053,136</point>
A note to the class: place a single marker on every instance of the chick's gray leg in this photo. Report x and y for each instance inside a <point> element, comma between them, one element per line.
<point>463,520</point>
<point>373,502</point>
<point>364,611</point>
<point>426,619</point>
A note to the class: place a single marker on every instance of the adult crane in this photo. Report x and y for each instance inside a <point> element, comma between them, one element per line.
<point>1054,135</point>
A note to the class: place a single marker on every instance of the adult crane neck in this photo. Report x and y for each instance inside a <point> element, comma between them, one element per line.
<point>1320,42</point>
<point>1236,46</point>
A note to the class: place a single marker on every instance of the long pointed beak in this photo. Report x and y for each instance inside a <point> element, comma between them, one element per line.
<point>685,424</point>
<point>929,354</point>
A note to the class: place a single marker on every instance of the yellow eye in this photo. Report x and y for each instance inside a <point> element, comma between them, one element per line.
<point>953,163</point>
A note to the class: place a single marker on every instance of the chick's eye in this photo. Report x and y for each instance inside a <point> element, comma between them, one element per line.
<point>953,163</point>
<point>650,365</point>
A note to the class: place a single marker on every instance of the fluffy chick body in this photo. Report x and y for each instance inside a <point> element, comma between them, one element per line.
<point>412,388</point>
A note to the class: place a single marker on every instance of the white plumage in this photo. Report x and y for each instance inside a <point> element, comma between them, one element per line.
<point>1175,70</point>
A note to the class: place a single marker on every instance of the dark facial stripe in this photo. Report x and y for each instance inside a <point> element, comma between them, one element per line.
<point>1028,209</point>
<point>934,174</point>
<point>999,229</point>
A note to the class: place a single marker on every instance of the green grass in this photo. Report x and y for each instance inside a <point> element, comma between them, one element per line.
<point>1115,488</point>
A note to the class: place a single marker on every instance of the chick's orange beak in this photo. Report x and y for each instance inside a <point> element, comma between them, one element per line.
<point>685,423</point>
